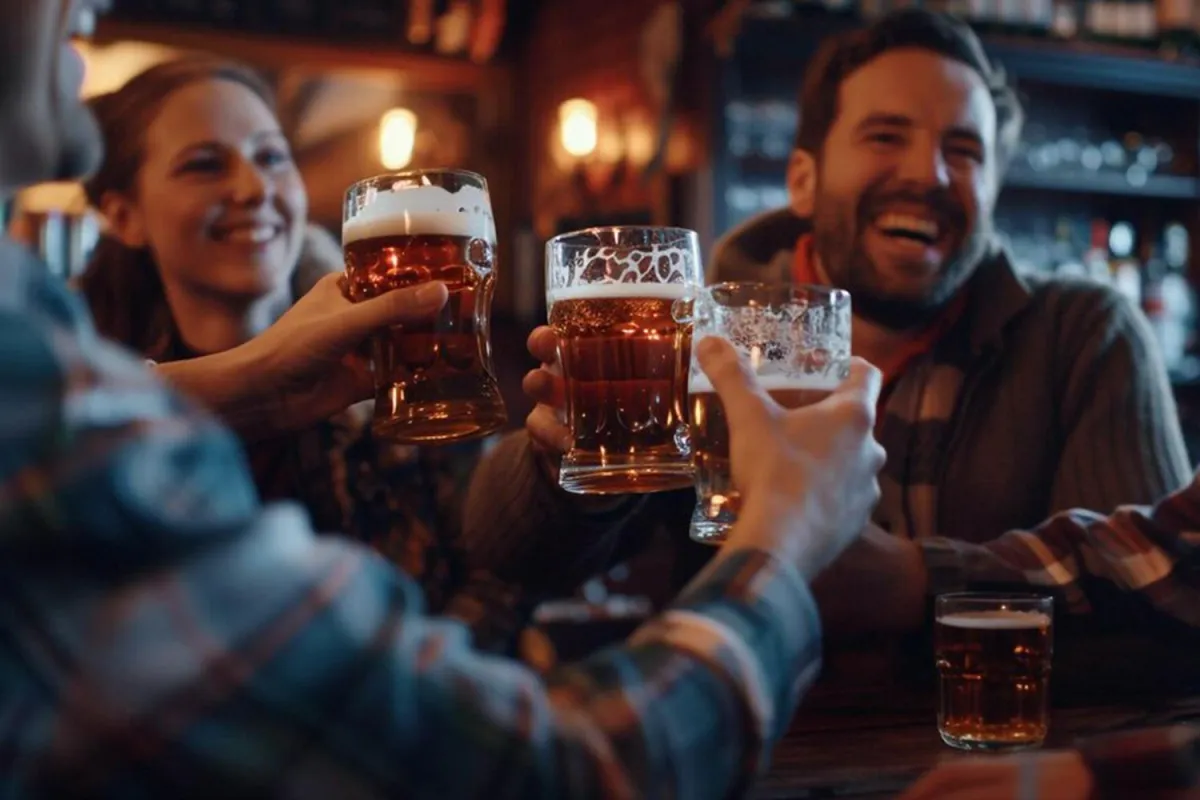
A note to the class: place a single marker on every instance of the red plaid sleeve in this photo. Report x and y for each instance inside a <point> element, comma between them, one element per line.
<point>1148,550</point>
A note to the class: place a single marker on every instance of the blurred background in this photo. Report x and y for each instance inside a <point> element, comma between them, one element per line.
<point>683,112</point>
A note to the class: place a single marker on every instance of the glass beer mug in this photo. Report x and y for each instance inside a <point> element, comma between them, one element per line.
<point>434,380</point>
<point>796,339</point>
<point>618,298</point>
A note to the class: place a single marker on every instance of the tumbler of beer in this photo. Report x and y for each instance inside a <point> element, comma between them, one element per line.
<point>619,300</point>
<point>797,341</point>
<point>993,658</point>
<point>434,380</point>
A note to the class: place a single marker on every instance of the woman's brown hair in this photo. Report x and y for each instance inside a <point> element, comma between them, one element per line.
<point>122,285</point>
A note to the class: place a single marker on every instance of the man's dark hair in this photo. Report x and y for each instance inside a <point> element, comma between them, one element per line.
<point>943,34</point>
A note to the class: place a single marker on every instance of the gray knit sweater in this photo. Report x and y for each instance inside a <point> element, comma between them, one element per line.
<point>1064,403</point>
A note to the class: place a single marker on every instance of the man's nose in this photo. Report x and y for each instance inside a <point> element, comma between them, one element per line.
<point>924,164</point>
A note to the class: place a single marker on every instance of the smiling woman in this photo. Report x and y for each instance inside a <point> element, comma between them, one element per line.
<point>207,244</point>
<point>205,211</point>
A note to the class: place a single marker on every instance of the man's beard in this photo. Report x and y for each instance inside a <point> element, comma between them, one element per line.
<point>838,242</point>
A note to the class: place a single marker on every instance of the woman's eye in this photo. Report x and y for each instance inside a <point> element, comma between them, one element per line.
<point>274,158</point>
<point>202,164</point>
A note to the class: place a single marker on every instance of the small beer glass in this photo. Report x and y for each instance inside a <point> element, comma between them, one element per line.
<point>993,657</point>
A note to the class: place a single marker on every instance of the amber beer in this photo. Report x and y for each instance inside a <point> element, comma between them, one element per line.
<point>994,667</point>
<point>718,500</point>
<point>624,361</point>
<point>434,380</point>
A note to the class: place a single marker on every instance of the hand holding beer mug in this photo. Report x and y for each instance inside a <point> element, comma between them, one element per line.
<point>614,297</point>
<point>434,381</point>
<point>993,660</point>
<point>796,339</point>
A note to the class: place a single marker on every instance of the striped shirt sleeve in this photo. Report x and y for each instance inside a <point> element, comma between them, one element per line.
<point>1149,551</point>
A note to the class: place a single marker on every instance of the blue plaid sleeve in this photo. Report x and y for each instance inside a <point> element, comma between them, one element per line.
<point>162,635</point>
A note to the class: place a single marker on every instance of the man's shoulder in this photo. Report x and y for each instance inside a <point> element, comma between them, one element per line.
<point>1075,320</point>
<point>749,251</point>
<point>29,291</point>
<point>1080,304</point>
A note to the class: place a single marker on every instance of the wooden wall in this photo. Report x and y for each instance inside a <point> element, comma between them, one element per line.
<point>595,50</point>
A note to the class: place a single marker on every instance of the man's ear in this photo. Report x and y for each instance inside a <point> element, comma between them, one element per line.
<point>802,182</point>
<point>124,218</point>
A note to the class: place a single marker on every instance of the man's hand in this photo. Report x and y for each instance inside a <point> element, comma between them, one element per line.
<point>877,586</point>
<point>307,366</point>
<point>546,424</point>
<point>1052,776</point>
<point>807,475</point>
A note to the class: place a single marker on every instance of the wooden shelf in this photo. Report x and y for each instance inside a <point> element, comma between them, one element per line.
<point>423,71</point>
<point>1092,65</point>
<point>1163,187</point>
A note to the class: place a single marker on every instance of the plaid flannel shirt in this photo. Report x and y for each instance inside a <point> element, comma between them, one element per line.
<point>1151,552</point>
<point>162,635</point>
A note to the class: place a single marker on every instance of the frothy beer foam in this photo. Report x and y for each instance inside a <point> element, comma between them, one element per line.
<point>424,210</point>
<point>622,291</point>
<point>700,384</point>
<point>996,620</point>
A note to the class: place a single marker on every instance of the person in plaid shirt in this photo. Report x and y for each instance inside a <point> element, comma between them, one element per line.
<point>165,635</point>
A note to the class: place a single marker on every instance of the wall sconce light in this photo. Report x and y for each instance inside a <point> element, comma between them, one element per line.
<point>397,135</point>
<point>577,128</point>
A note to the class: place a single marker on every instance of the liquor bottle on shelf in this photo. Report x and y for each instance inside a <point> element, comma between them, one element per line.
<point>1024,16</point>
<point>1139,22</point>
<point>1169,301</point>
<point>841,7</point>
<point>1126,272</point>
<point>983,15</point>
<point>1096,259</point>
<point>1038,16</point>
<point>1100,21</point>
<point>1066,259</point>
<point>1009,15</point>
<point>1066,22</point>
<point>1177,28</point>
<point>873,9</point>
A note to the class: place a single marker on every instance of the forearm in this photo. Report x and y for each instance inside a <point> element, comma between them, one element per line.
<point>1143,552</point>
<point>225,384</point>
<point>1134,763</point>
<point>520,527</point>
<point>690,707</point>
<point>343,679</point>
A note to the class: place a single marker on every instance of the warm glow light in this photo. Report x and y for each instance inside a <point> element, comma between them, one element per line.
<point>639,142</point>
<point>577,127</point>
<point>397,135</point>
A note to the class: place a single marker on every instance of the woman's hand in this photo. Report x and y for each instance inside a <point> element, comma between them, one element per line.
<point>308,365</point>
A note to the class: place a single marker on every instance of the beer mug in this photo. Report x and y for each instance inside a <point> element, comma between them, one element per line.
<point>993,657</point>
<point>616,298</point>
<point>796,339</point>
<point>434,380</point>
